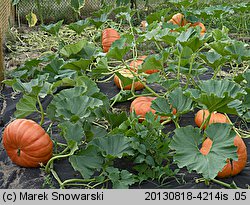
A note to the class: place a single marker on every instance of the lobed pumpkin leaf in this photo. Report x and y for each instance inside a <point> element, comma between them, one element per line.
<point>87,161</point>
<point>120,47</point>
<point>239,51</point>
<point>217,94</point>
<point>72,132</point>
<point>120,179</point>
<point>213,59</point>
<point>25,106</point>
<point>190,156</point>
<point>180,102</point>
<point>161,106</point>
<point>113,146</point>
<point>81,49</point>
<point>152,61</point>
<point>78,65</point>
<point>98,21</point>
<point>76,108</point>
<point>101,68</point>
<point>79,26</point>
<point>167,36</point>
<point>53,28</point>
<point>76,103</point>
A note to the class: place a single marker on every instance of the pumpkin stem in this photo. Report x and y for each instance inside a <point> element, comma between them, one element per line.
<point>230,186</point>
<point>41,110</point>
<point>18,152</point>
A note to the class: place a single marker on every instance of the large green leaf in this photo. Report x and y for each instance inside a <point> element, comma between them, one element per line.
<point>76,108</point>
<point>152,62</point>
<point>101,68</point>
<point>35,87</point>
<point>114,146</point>
<point>120,179</point>
<point>79,26</point>
<point>87,161</point>
<point>167,36</point>
<point>180,102</point>
<point>187,140</point>
<point>217,94</point>
<point>53,28</point>
<point>97,22</point>
<point>157,15</point>
<point>81,49</point>
<point>176,99</point>
<point>161,106</point>
<point>120,47</point>
<point>73,105</point>
<point>115,119</point>
<point>214,59</point>
<point>191,38</point>
<point>238,51</point>
<point>78,65</point>
<point>72,132</point>
<point>25,106</point>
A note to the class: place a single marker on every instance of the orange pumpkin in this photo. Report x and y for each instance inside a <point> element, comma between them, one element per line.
<point>216,117</point>
<point>126,73</point>
<point>109,35</point>
<point>178,19</point>
<point>234,168</point>
<point>203,28</point>
<point>26,143</point>
<point>134,65</point>
<point>142,105</point>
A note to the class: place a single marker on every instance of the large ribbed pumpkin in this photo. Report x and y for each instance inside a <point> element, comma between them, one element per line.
<point>26,143</point>
<point>109,35</point>
<point>178,19</point>
<point>142,105</point>
<point>126,73</point>
<point>216,117</point>
<point>134,65</point>
<point>231,168</point>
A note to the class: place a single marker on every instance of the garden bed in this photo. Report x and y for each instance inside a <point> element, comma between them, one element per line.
<point>66,84</point>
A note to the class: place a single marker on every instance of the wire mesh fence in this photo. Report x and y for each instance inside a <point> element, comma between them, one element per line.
<point>4,17</point>
<point>52,11</point>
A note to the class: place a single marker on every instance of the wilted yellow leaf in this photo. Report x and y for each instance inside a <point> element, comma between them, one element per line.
<point>32,19</point>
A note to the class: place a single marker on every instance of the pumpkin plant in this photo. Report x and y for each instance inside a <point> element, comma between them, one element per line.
<point>26,143</point>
